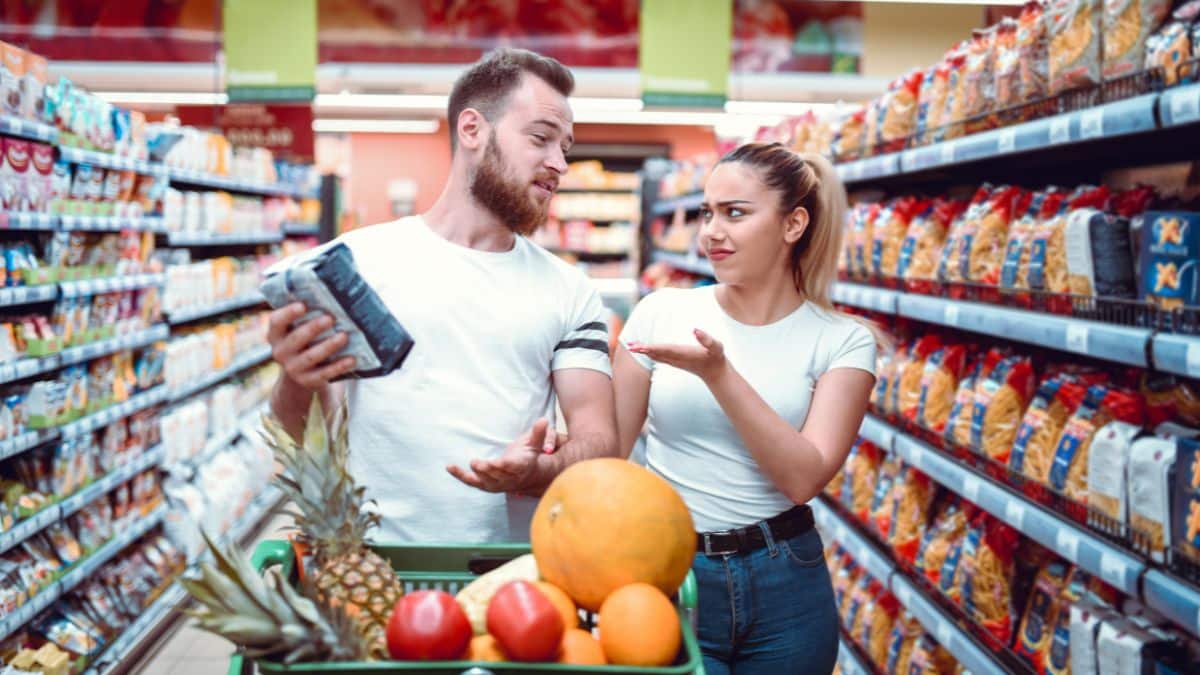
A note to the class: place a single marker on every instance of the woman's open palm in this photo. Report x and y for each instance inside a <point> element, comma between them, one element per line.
<point>706,359</point>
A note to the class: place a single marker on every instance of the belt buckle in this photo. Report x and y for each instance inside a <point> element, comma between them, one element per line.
<point>708,550</point>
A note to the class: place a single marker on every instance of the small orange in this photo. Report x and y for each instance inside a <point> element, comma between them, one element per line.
<point>579,648</point>
<point>484,648</point>
<point>639,627</point>
<point>562,602</point>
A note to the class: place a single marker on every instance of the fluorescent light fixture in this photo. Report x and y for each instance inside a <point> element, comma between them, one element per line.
<point>389,101</point>
<point>164,97</point>
<point>683,117</point>
<point>597,104</point>
<point>347,126</point>
<point>785,108</point>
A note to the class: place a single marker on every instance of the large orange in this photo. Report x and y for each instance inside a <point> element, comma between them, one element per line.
<point>639,627</point>
<point>579,648</point>
<point>484,648</point>
<point>562,602</point>
<point>607,523</point>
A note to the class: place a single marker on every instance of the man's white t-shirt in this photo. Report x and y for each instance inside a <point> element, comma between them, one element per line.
<point>489,328</point>
<point>690,441</point>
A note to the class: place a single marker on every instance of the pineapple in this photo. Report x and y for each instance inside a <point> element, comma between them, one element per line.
<point>265,616</point>
<point>332,520</point>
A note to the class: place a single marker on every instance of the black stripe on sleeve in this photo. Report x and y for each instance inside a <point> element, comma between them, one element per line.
<point>595,325</point>
<point>598,345</point>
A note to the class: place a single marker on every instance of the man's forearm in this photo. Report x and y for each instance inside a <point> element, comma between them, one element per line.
<point>290,403</point>
<point>577,449</point>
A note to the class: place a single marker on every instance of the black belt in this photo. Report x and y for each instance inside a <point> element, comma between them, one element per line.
<point>790,523</point>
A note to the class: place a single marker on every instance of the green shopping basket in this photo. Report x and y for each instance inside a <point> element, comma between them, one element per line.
<point>450,568</point>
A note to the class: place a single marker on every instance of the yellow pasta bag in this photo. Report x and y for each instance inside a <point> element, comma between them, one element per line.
<point>904,635</point>
<point>865,591</point>
<point>939,382</point>
<point>1007,72</point>
<point>890,230</point>
<point>988,579</point>
<point>1000,402</point>
<point>1041,613</point>
<point>908,391</point>
<point>843,583</point>
<point>885,373</point>
<point>851,136</point>
<point>900,110</point>
<point>854,599</point>
<point>881,502</point>
<point>912,498</point>
<point>1033,47</point>
<point>1033,449</point>
<point>984,246</point>
<point>1014,272</point>
<point>1128,24</point>
<point>950,265</point>
<point>947,529</point>
<point>1075,36</point>
<point>979,85</point>
<point>1048,268</point>
<point>861,471</point>
<point>1068,472</point>
<point>864,237</point>
<point>956,94</point>
<point>921,252</point>
<point>878,619</point>
<point>958,426</point>
<point>930,658</point>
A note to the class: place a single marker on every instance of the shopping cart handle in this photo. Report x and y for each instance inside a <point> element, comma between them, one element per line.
<point>273,552</point>
<point>688,592</point>
<point>475,670</point>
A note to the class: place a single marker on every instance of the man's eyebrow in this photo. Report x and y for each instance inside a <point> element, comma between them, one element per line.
<point>547,122</point>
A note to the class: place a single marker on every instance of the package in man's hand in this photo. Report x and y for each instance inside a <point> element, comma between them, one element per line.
<point>326,280</point>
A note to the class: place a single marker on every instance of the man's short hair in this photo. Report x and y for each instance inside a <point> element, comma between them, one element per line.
<point>485,86</point>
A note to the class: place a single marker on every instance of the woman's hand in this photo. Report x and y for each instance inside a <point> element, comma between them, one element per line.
<point>706,360</point>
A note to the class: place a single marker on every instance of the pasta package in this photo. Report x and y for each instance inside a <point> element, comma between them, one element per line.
<point>912,499</point>
<point>890,230</point>
<point>930,658</point>
<point>958,425</point>
<point>950,266</point>
<point>1007,72</point>
<point>1099,250</point>
<point>1101,405</point>
<point>923,244</point>
<point>844,582</point>
<point>881,500</point>
<point>850,137</point>
<point>989,573</point>
<point>905,632</point>
<point>1151,471</point>
<point>960,561</point>
<point>1014,271</point>
<point>1075,37</point>
<point>1048,266</point>
<point>864,236</point>
<point>857,598</point>
<point>1169,256</point>
<point>1033,449</point>
<point>877,623</point>
<point>911,375</point>
<point>900,111</point>
<point>947,529</point>
<point>1106,473</point>
<point>1169,398</point>
<point>978,85</point>
<point>885,373</point>
<point>931,100</point>
<point>891,402</point>
<point>1033,47</point>
<point>861,473</point>
<point>1128,24</point>
<point>1041,613</point>
<point>939,382</point>
<point>1000,401</point>
<point>983,258</point>
<point>956,99</point>
<point>1176,42</point>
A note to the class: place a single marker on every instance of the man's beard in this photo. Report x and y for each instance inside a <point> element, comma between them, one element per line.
<point>508,200</point>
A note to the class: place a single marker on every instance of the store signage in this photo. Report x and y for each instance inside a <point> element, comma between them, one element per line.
<point>284,129</point>
<point>684,52</point>
<point>270,49</point>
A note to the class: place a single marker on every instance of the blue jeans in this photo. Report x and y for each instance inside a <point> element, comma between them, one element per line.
<point>768,611</point>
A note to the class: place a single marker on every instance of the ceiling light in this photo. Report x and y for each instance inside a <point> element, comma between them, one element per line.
<point>682,117</point>
<point>786,108</point>
<point>391,101</point>
<point>346,126</point>
<point>164,97</point>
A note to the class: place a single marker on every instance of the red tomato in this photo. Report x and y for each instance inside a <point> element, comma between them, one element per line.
<point>427,626</point>
<point>525,622</point>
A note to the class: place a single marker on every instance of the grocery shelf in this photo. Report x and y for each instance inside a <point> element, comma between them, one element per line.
<point>26,295</point>
<point>105,417</point>
<point>688,202</point>
<point>250,359</point>
<point>878,432</point>
<point>1074,543</point>
<point>1179,354</point>
<point>29,527</point>
<point>11,125</point>
<point>94,350</point>
<point>942,627</point>
<point>111,480</point>
<point>212,180</point>
<point>28,221</point>
<point>217,443</point>
<point>28,367</point>
<point>125,282</point>
<point>181,239</point>
<point>80,571</point>
<point>301,229</point>
<point>26,441</point>
<point>109,160</point>
<point>1177,600</point>
<point>1180,105</point>
<point>1121,344</point>
<point>111,223</point>
<point>684,261</point>
<point>850,662</point>
<point>868,554</point>
<point>186,314</point>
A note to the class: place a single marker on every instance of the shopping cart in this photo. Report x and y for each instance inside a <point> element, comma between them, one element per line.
<point>450,568</point>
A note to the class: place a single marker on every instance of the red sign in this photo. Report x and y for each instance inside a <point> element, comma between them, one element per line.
<point>285,130</point>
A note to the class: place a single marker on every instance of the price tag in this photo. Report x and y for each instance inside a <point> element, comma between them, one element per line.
<point>1060,130</point>
<point>950,315</point>
<point>904,595</point>
<point>840,533</point>
<point>946,153</point>
<point>916,456</point>
<point>970,488</point>
<point>1193,358</point>
<point>1077,338</point>
<point>944,634</point>
<point>18,126</point>
<point>1185,105</point>
<point>1112,570</point>
<point>1007,141</point>
<point>1014,514</point>
<point>1067,544</point>
<point>887,438</point>
<point>1091,124</point>
<point>20,294</point>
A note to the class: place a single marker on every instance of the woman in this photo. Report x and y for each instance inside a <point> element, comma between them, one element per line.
<point>754,390</point>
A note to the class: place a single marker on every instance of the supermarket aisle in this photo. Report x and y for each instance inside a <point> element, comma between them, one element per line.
<point>186,650</point>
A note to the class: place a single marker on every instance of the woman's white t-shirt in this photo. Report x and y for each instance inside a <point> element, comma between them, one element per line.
<point>690,441</point>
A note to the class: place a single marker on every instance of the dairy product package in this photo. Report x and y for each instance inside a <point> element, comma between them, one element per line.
<point>326,280</point>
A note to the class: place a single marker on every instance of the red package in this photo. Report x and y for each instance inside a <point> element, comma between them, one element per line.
<point>939,381</point>
<point>908,390</point>
<point>987,591</point>
<point>1000,403</point>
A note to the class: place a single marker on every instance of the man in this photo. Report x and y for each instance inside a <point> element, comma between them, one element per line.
<point>501,326</point>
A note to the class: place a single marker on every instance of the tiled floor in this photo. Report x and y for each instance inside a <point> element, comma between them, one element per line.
<point>190,651</point>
